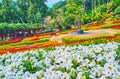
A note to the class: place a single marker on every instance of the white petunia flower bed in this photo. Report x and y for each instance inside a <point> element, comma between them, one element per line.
<point>65,62</point>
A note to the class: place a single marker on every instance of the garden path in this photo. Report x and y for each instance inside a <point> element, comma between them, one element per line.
<point>86,34</point>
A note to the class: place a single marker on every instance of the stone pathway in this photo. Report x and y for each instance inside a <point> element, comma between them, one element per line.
<point>86,34</point>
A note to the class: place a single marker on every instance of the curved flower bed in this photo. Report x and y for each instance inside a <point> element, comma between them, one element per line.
<point>95,26</point>
<point>43,43</point>
<point>16,40</point>
<point>71,62</point>
<point>11,41</point>
<point>116,27</point>
<point>115,22</point>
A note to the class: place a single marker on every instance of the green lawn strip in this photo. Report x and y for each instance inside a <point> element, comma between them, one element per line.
<point>26,43</point>
<point>109,26</point>
<point>74,39</point>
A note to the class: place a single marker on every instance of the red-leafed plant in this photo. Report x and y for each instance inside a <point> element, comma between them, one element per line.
<point>116,27</point>
<point>114,22</point>
<point>35,39</point>
<point>16,40</point>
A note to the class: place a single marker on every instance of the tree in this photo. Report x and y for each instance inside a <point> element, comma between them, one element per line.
<point>22,11</point>
<point>117,10</point>
<point>8,11</point>
<point>37,7</point>
<point>59,5</point>
<point>75,10</point>
<point>57,14</point>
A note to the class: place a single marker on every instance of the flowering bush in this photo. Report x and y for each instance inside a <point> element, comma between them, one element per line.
<point>71,62</point>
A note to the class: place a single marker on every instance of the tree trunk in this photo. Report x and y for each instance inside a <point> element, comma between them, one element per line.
<point>21,19</point>
<point>84,5</point>
<point>1,37</point>
<point>5,36</point>
<point>92,8</point>
<point>75,23</point>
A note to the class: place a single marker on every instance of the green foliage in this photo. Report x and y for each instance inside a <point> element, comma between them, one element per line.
<point>29,67</point>
<point>75,63</point>
<point>102,36</point>
<point>10,28</point>
<point>86,74</point>
<point>58,5</point>
<point>73,75</point>
<point>60,27</point>
<point>117,10</point>
<point>71,39</point>
<point>69,19</point>
<point>41,57</point>
<point>68,12</point>
<point>74,12</point>
<point>49,48</point>
<point>102,63</point>
<point>67,27</point>
<point>115,2</point>
<point>117,34</point>
<point>61,69</point>
<point>22,11</point>
<point>100,13</point>
<point>85,29</point>
<point>102,8</point>
<point>118,54</point>
<point>28,64</point>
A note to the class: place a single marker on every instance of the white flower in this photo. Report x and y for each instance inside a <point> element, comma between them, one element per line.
<point>79,58</point>
<point>87,58</point>
<point>99,58</point>
<point>97,49</point>
<point>102,77</point>
<point>85,62</point>
<point>91,64</point>
<point>79,75</point>
<point>93,75</point>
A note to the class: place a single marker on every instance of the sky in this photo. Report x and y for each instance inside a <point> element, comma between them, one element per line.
<point>51,2</point>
